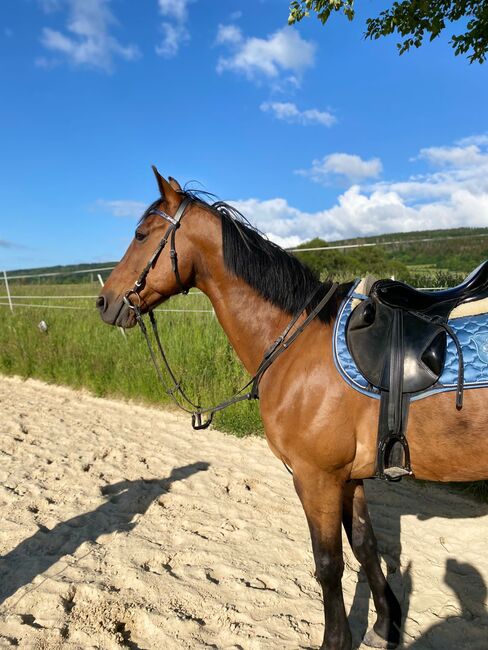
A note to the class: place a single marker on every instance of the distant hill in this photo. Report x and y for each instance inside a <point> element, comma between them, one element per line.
<point>451,255</point>
<point>417,235</point>
<point>445,259</point>
<point>61,274</point>
<point>457,249</point>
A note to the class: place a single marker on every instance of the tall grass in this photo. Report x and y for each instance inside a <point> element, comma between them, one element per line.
<point>79,350</point>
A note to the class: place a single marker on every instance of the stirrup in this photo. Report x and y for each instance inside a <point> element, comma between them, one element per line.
<point>393,460</point>
<point>396,473</point>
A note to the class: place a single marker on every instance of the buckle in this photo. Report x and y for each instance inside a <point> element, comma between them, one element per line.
<point>129,304</point>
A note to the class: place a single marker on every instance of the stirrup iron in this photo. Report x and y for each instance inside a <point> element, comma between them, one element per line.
<point>393,459</point>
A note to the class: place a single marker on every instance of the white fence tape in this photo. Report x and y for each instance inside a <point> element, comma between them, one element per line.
<point>74,296</point>
<point>92,309</point>
<point>55,273</point>
<point>384,243</point>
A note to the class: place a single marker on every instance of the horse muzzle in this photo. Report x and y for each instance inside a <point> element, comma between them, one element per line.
<point>115,311</point>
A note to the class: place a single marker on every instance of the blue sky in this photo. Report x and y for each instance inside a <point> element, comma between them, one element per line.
<point>312,131</point>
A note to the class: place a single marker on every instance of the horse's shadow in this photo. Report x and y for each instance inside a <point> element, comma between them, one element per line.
<point>387,504</point>
<point>456,630</point>
<point>37,553</point>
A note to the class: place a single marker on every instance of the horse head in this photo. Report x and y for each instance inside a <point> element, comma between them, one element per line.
<point>151,271</point>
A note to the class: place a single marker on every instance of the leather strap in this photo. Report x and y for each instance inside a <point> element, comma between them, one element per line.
<point>393,449</point>
<point>396,374</point>
<point>174,225</point>
<point>281,344</point>
<point>442,322</point>
<point>174,261</point>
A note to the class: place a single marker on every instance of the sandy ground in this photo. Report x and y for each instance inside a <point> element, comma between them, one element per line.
<point>122,527</point>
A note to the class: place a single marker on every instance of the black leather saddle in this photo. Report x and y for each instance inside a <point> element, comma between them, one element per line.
<point>398,339</point>
<point>399,294</point>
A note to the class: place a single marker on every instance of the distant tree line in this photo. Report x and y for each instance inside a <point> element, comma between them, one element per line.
<point>64,274</point>
<point>442,262</point>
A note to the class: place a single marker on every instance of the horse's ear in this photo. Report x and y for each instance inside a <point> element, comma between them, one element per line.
<point>166,190</point>
<point>174,184</point>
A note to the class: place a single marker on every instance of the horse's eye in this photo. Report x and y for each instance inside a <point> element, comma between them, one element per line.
<point>140,236</point>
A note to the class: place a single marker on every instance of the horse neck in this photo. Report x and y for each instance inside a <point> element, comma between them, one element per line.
<point>250,322</point>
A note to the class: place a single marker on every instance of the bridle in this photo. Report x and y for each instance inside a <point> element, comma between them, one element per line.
<point>174,224</point>
<point>175,391</point>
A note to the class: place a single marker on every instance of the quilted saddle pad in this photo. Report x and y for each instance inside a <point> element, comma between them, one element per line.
<point>471,330</point>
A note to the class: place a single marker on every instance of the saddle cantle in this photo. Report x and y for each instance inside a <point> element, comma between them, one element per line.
<point>401,295</point>
<point>397,337</point>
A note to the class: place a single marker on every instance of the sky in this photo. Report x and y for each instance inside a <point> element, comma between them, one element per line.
<point>311,131</point>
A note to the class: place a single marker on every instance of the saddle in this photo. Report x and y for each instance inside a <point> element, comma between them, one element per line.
<point>397,336</point>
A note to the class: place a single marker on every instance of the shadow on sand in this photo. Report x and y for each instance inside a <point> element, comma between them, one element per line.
<point>387,504</point>
<point>126,499</point>
<point>456,630</point>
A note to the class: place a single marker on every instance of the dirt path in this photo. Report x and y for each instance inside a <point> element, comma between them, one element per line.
<point>122,527</point>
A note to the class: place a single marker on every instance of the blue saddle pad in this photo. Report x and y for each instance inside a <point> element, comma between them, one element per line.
<point>472,332</point>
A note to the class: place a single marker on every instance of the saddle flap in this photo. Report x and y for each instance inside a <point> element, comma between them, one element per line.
<point>370,340</point>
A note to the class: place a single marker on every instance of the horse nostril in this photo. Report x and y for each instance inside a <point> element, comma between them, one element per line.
<point>101,303</point>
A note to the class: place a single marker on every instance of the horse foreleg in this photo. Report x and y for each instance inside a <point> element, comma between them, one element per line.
<point>321,496</point>
<point>357,524</point>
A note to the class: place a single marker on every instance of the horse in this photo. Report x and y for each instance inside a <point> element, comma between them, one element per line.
<point>314,422</point>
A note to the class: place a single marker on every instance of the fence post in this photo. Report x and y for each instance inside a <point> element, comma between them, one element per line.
<point>8,290</point>
<point>121,329</point>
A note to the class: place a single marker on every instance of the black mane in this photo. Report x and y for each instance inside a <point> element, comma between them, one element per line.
<point>278,276</point>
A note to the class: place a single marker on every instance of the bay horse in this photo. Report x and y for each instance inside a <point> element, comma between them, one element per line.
<point>323,430</point>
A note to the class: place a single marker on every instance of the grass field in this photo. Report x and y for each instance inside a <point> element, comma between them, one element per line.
<point>79,350</point>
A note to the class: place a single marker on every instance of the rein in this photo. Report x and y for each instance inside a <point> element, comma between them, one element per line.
<point>176,391</point>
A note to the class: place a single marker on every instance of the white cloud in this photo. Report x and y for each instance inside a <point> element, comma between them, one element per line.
<point>456,156</point>
<point>87,40</point>
<point>449,198</point>
<point>289,112</point>
<point>355,214</point>
<point>480,139</point>
<point>122,207</point>
<point>228,34</point>
<point>358,213</point>
<point>284,52</point>
<point>176,9</point>
<point>343,165</point>
<point>174,35</point>
<point>285,242</point>
<point>175,32</point>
